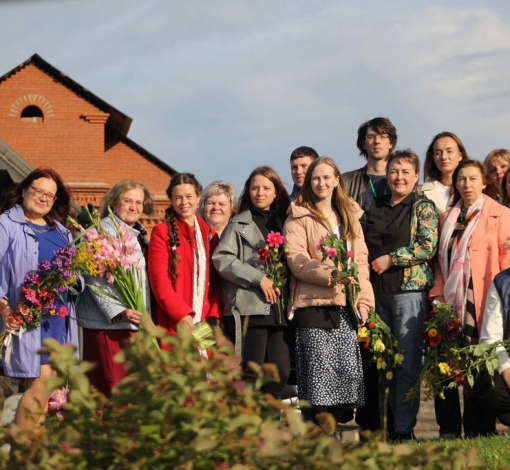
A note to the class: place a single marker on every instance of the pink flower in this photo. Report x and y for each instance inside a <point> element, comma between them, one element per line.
<point>62,312</point>
<point>350,254</point>
<point>331,252</point>
<point>275,239</point>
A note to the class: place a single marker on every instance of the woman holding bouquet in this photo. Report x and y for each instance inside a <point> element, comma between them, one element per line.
<point>108,323</point>
<point>401,232</point>
<point>180,273</point>
<point>473,248</point>
<point>31,229</point>
<point>328,361</point>
<point>252,305</point>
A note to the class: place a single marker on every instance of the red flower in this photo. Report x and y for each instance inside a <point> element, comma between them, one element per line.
<point>366,345</point>
<point>263,254</point>
<point>350,254</point>
<point>371,324</point>
<point>275,239</point>
<point>434,341</point>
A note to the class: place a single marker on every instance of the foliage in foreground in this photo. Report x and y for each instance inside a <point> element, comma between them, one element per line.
<point>177,411</point>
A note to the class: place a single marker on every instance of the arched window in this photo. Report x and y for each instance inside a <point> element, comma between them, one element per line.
<point>32,114</point>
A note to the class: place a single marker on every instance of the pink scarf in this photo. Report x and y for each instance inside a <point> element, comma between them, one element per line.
<point>457,270</point>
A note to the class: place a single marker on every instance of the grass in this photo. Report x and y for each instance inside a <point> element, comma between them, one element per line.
<point>495,450</point>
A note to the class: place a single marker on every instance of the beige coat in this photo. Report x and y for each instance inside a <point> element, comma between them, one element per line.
<point>311,283</point>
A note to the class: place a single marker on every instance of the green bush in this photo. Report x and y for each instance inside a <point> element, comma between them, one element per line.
<point>177,411</point>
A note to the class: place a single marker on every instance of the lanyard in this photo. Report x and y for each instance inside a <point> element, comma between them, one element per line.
<point>373,189</point>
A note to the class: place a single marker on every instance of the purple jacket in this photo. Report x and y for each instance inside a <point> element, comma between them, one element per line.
<point>19,254</point>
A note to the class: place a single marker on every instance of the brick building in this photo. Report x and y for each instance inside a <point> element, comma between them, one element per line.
<point>48,119</point>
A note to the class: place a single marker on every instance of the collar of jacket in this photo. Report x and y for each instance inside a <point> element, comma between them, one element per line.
<point>108,220</point>
<point>244,217</point>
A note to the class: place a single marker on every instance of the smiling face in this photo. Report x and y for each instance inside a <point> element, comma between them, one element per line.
<point>262,192</point>
<point>447,155</point>
<point>324,181</point>
<point>378,146</point>
<point>298,168</point>
<point>185,202</point>
<point>497,169</point>
<point>38,199</point>
<point>129,207</point>
<point>217,211</point>
<point>470,184</point>
<point>402,179</point>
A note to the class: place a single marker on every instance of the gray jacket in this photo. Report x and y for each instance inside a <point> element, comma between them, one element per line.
<point>236,260</point>
<point>96,310</point>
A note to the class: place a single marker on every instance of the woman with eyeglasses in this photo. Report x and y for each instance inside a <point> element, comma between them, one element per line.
<point>108,324</point>
<point>32,220</point>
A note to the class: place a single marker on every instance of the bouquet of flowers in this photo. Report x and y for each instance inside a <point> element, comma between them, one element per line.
<point>40,292</point>
<point>345,272</point>
<point>384,350</point>
<point>116,258</point>
<point>270,255</point>
<point>443,363</point>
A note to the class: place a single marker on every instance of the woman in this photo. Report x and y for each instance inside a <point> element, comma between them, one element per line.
<point>31,229</point>
<point>180,273</point>
<point>496,163</point>
<point>108,324</point>
<point>249,296</point>
<point>475,232</point>
<point>217,205</point>
<point>505,189</point>
<point>443,155</point>
<point>328,362</point>
<point>401,232</point>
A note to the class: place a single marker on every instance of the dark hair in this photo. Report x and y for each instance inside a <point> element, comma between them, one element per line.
<point>430,170</point>
<point>339,200</point>
<point>505,199</point>
<point>407,155</point>
<point>112,197</point>
<point>282,200</point>
<point>463,164</point>
<point>381,125</point>
<point>304,151</point>
<point>61,207</point>
<point>171,218</point>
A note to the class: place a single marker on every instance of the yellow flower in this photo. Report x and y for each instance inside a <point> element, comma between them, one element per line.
<point>441,395</point>
<point>444,368</point>
<point>379,346</point>
<point>399,358</point>
<point>432,332</point>
<point>381,364</point>
<point>389,375</point>
<point>52,311</point>
<point>364,334</point>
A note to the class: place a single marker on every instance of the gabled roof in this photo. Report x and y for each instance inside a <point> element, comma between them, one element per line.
<point>119,122</point>
<point>12,163</point>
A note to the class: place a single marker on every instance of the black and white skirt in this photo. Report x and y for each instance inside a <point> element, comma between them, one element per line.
<point>328,364</point>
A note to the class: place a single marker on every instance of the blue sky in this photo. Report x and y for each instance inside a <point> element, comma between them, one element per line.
<point>219,87</point>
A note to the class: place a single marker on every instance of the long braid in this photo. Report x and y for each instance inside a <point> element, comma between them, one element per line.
<point>173,232</point>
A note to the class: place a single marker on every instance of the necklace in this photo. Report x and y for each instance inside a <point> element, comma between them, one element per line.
<point>39,230</point>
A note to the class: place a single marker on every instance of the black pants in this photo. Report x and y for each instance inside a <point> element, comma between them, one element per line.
<point>498,395</point>
<point>265,345</point>
<point>479,418</point>
<point>369,417</point>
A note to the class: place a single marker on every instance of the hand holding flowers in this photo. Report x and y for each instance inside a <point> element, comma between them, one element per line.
<point>345,272</point>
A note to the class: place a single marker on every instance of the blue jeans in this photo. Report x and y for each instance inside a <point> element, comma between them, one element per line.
<point>403,312</point>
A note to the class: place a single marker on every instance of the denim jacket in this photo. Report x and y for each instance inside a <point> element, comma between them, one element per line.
<point>19,253</point>
<point>416,257</point>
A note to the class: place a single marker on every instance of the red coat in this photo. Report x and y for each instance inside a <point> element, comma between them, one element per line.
<point>173,304</point>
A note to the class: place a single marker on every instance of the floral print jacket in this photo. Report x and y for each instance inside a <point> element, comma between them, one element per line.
<point>417,256</point>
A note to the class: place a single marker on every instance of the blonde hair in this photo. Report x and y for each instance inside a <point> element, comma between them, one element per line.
<point>112,197</point>
<point>340,200</point>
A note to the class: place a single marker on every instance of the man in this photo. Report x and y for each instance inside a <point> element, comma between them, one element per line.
<point>300,160</point>
<point>376,139</point>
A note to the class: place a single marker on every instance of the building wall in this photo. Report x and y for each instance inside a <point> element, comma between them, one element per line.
<point>73,138</point>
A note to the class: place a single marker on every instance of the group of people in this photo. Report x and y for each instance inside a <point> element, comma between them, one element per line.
<point>446,241</point>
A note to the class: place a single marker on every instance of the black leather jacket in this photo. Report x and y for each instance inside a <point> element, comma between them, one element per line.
<point>356,183</point>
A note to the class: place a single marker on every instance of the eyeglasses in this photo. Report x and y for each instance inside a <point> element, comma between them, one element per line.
<point>371,137</point>
<point>51,198</point>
